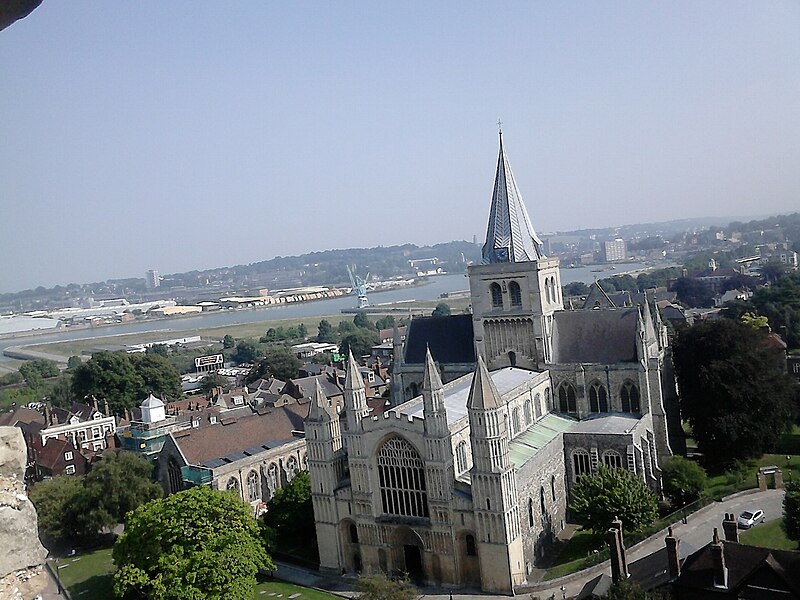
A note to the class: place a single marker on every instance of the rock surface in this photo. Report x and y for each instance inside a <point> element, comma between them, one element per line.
<point>19,534</point>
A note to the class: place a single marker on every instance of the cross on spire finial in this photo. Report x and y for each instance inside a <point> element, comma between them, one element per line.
<point>500,126</point>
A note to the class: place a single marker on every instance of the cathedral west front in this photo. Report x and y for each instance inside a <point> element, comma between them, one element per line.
<point>464,482</point>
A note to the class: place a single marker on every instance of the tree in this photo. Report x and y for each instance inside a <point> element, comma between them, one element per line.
<point>576,288</point>
<point>61,392</point>
<point>325,333</point>
<point>159,349</point>
<point>109,375</point>
<point>117,484</point>
<point>37,370</point>
<point>791,511</point>
<point>755,321</point>
<point>693,292</point>
<point>212,381</point>
<point>63,509</point>
<point>442,310</point>
<point>683,480</point>
<point>228,342</point>
<point>625,590</point>
<point>360,342</point>
<point>158,375</point>
<point>380,587</point>
<point>279,361</point>
<point>246,351</point>
<point>74,361</point>
<point>735,392</point>
<point>600,498</point>
<point>290,513</point>
<point>199,543</point>
<point>386,322</point>
<point>361,321</point>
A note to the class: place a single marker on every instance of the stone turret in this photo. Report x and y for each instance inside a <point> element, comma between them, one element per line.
<point>494,493</point>
<point>439,472</point>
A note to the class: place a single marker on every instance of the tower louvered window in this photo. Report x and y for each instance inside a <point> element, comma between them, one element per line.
<point>402,479</point>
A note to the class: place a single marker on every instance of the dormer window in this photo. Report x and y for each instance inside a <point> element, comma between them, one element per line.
<point>497,295</point>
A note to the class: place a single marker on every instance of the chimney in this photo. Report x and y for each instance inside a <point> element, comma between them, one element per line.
<point>619,565</point>
<point>718,558</point>
<point>105,407</point>
<point>730,528</point>
<point>94,403</point>
<point>673,555</point>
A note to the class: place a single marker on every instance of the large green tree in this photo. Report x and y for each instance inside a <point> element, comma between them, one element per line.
<point>379,587</point>
<point>442,310</point>
<point>158,374</point>
<point>63,510</point>
<point>325,332</point>
<point>290,513</point>
<point>735,392</point>
<point>791,511</point>
<point>597,499</point>
<point>43,368</point>
<point>360,342</point>
<point>278,361</point>
<point>683,480</point>
<point>199,543</point>
<point>112,376</point>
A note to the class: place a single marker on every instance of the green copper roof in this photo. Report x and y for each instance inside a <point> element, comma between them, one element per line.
<point>525,446</point>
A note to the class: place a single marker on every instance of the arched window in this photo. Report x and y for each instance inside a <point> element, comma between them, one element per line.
<point>353,533</point>
<point>515,293</point>
<point>547,289</point>
<point>629,395</point>
<point>232,485</point>
<point>175,476</point>
<point>512,358</point>
<point>530,512</point>
<point>461,457</point>
<point>528,411</point>
<point>497,295</point>
<point>537,405</point>
<point>566,398</point>
<point>612,459</point>
<point>272,474</point>
<point>556,291</point>
<point>598,399</point>
<point>581,464</point>
<point>469,542</point>
<point>291,468</point>
<point>401,473</point>
<point>541,498</point>
<point>515,419</point>
<point>547,400</point>
<point>253,491</point>
<point>553,487</point>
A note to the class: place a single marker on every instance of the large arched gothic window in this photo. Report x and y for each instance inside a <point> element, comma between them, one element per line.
<point>612,459</point>
<point>515,293</point>
<point>253,485</point>
<point>175,476</point>
<point>566,398</point>
<point>515,419</point>
<point>528,411</point>
<point>598,399</point>
<point>497,295</point>
<point>402,479</point>
<point>537,405</point>
<point>629,395</point>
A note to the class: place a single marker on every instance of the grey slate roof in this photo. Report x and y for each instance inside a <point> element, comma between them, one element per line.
<point>450,340</point>
<point>595,336</point>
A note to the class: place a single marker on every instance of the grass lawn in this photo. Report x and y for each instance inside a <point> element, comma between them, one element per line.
<point>90,577</point>
<point>768,535</point>
<point>577,554</point>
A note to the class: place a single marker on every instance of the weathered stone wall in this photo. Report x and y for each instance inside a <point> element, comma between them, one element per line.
<point>19,534</point>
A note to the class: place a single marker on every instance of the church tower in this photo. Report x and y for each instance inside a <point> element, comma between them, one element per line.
<point>494,487</point>
<point>516,289</point>
<point>439,473</point>
<point>325,467</point>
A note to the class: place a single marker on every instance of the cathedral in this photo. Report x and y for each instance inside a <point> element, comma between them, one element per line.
<point>464,481</point>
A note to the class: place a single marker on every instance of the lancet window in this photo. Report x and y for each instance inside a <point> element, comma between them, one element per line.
<point>515,293</point>
<point>566,398</point>
<point>598,398</point>
<point>497,295</point>
<point>629,395</point>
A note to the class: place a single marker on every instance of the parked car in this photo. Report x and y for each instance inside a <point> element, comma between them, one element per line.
<point>750,517</point>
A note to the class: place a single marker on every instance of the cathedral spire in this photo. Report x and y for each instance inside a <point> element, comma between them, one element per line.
<point>510,237</point>
<point>320,409</point>
<point>352,379</point>
<point>483,393</point>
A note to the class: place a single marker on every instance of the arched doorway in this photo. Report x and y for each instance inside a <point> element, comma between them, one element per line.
<point>409,554</point>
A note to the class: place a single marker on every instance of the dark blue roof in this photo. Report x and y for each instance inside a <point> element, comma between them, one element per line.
<point>449,338</point>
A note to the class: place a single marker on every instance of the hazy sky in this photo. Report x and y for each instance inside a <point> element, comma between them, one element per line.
<point>181,135</point>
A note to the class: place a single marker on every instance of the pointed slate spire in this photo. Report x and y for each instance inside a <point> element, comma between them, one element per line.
<point>353,380</point>
<point>431,380</point>
<point>483,393</point>
<point>320,409</point>
<point>510,237</point>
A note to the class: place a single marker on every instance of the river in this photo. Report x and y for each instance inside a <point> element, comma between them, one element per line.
<point>431,291</point>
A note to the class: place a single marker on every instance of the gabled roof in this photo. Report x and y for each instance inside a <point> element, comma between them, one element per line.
<point>510,236</point>
<point>595,336</point>
<point>450,340</point>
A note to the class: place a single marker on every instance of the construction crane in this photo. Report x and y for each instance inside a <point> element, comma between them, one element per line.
<point>359,286</point>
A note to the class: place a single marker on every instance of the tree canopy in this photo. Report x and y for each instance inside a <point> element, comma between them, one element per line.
<point>380,587</point>
<point>359,341</point>
<point>791,511</point>
<point>325,332</point>
<point>278,361</point>
<point>290,513</point>
<point>598,499</point>
<point>199,543</point>
<point>683,480</point>
<point>735,392</point>
<point>75,508</point>
<point>442,310</point>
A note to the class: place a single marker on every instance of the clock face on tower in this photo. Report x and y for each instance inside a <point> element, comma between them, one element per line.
<point>501,254</point>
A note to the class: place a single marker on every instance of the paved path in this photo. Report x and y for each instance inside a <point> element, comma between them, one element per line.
<point>693,535</point>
